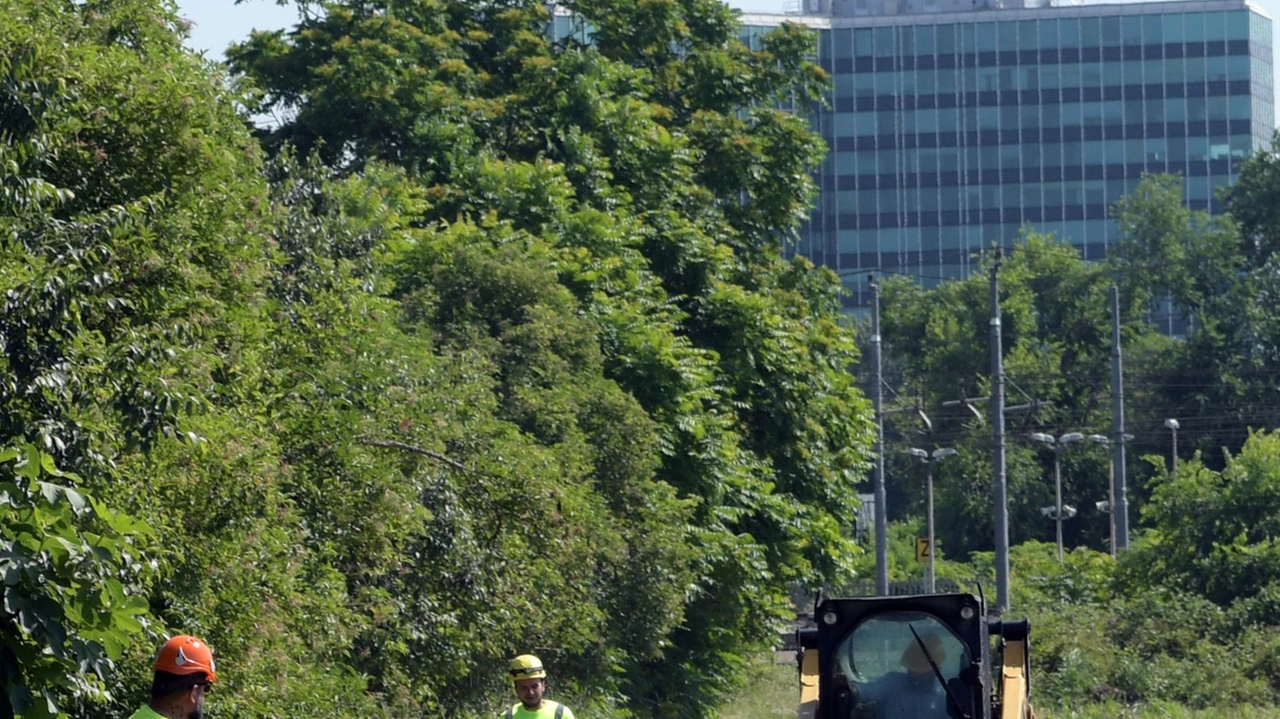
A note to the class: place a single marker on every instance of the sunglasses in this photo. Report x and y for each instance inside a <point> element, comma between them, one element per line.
<point>526,671</point>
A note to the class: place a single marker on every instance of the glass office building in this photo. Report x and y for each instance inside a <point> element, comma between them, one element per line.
<point>952,126</point>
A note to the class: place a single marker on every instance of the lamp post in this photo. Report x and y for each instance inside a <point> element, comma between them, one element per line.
<point>1105,441</point>
<point>1056,445</point>
<point>1111,490</point>
<point>928,460</point>
<point>1173,426</point>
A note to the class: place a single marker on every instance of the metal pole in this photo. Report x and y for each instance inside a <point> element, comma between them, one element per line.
<point>1111,476</point>
<point>882,525</point>
<point>1175,449</point>
<point>1057,494</point>
<point>997,422</point>
<point>929,499</point>
<point>1120,507</point>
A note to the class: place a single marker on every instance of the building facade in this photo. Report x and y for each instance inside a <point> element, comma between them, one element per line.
<point>952,124</point>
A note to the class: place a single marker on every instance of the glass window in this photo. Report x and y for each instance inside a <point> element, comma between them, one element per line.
<point>1177,148</point>
<point>926,120</point>
<point>926,39</point>
<point>927,81</point>
<point>1069,32</point>
<point>1048,77</point>
<point>1112,112</point>
<point>1028,35</point>
<point>888,200</point>
<point>988,118</point>
<point>1173,28</point>
<point>1216,68</point>
<point>990,157</point>
<point>1195,69</point>
<point>1010,155</point>
<point>1238,25</point>
<point>1238,67</point>
<point>843,85</point>
<point>842,38</point>
<point>1157,149</point>
<point>1030,117</point>
<point>985,34</point>
<point>864,84</point>
<point>1092,112</point>
<point>1152,30</point>
<point>1241,147</point>
<point>1048,34</point>
<point>946,39</point>
<point>884,83</point>
<point>844,124</point>
<point>1239,107</point>
<point>1070,75</point>
<point>1072,114</point>
<point>1052,155</point>
<point>1217,110</point>
<point>1153,71</point>
<point>1197,111</point>
<point>884,41</point>
<point>1135,151</point>
<point>1007,32</point>
<point>1197,149</point>
<point>867,202</point>
<point>1131,30</point>
<point>946,81</point>
<point>968,36</point>
<point>1091,74</point>
<point>1215,26</point>
<point>862,42</point>
<point>1111,31</point>
<point>1029,78</point>
<point>908,80</point>
<point>906,40</point>
<point>1131,72</point>
<point>865,123</point>
<point>1194,26</point>
<point>1009,117</point>
<point>1219,148</point>
<point>1154,110</point>
<point>928,159</point>
<point>1133,112</point>
<point>1095,152</point>
<point>1010,196</point>
<point>1008,78</point>
<point>1175,70</point>
<point>988,79</point>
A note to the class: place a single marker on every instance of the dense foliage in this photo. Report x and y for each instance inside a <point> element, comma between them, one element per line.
<point>494,349</point>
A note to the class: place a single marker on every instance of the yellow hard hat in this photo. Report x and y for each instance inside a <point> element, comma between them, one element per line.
<point>527,666</point>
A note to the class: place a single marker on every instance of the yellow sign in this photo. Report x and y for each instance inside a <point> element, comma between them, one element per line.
<point>922,549</point>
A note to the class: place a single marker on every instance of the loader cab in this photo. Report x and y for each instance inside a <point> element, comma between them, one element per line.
<point>909,657</point>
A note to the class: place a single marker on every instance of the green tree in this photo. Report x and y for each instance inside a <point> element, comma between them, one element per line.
<point>648,181</point>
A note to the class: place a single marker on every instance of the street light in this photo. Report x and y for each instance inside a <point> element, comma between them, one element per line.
<point>928,460</point>
<point>1111,490</point>
<point>1056,445</point>
<point>1173,426</point>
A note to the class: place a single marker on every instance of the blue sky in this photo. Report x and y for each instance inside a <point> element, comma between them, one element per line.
<point>218,23</point>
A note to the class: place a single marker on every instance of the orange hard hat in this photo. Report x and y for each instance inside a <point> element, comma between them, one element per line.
<point>185,655</point>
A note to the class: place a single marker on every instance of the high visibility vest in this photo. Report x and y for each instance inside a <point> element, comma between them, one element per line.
<point>511,710</point>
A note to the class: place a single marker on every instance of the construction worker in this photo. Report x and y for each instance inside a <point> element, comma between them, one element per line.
<point>183,676</point>
<point>530,682</point>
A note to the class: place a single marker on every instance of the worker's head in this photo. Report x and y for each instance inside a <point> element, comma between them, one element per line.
<point>184,673</point>
<point>529,679</point>
<point>914,659</point>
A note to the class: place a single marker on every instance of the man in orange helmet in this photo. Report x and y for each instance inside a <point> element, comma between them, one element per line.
<point>184,673</point>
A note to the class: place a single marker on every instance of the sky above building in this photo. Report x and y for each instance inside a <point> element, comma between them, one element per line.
<point>218,23</point>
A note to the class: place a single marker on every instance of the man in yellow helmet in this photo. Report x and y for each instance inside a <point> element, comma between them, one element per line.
<point>530,682</point>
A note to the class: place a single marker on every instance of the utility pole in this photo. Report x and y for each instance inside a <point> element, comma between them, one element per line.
<point>877,394</point>
<point>997,411</point>
<point>1120,509</point>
